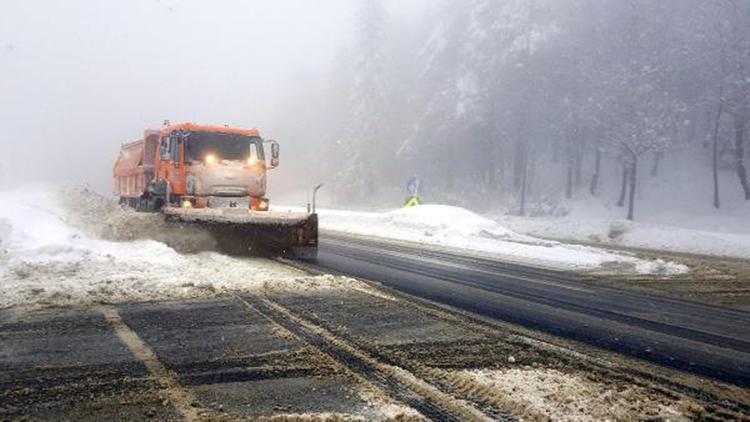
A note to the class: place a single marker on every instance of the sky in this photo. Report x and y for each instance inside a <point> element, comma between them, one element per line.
<point>79,77</point>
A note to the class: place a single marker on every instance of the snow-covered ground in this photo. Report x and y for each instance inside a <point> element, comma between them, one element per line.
<point>81,248</point>
<point>74,246</point>
<point>674,212</point>
<point>667,237</point>
<point>550,394</point>
<point>459,228</point>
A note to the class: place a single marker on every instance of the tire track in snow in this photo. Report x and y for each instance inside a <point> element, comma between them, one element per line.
<point>179,397</point>
<point>397,382</point>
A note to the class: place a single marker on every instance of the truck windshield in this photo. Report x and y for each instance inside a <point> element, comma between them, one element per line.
<point>222,146</point>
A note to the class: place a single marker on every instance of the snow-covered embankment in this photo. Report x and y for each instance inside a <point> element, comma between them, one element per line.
<point>452,227</point>
<point>72,246</point>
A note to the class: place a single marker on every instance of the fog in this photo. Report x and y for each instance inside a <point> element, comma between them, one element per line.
<point>80,77</point>
<point>633,106</point>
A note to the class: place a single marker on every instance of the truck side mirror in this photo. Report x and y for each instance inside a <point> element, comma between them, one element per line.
<point>274,153</point>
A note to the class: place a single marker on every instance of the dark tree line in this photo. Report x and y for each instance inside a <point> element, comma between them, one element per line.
<point>518,100</point>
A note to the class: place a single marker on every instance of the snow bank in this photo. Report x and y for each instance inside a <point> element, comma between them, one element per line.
<point>637,234</point>
<point>34,231</point>
<point>554,395</point>
<point>53,251</point>
<point>674,212</point>
<point>439,223</point>
<point>459,228</point>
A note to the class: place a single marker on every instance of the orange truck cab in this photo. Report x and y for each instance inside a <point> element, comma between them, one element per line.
<point>195,166</point>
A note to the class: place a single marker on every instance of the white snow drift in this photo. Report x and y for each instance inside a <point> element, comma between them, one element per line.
<point>46,260</point>
<point>77,247</point>
<point>674,212</point>
<point>656,236</point>
<point>459,228</point>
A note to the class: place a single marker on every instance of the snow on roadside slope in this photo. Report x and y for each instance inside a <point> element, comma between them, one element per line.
<point>674,212</point>
<point>550,394</point>
<point>635,234</point>
<point>459,228</point>
<point>52,254</point>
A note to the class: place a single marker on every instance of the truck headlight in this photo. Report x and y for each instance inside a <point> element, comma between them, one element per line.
<point>259,204</point>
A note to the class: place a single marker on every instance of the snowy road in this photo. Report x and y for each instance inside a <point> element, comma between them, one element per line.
<point>705,340</point>
<point>107,312</point>
<point>327,354</point>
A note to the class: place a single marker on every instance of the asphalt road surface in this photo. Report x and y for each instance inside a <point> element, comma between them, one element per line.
<point>336,349</point>
<point>700,339</point>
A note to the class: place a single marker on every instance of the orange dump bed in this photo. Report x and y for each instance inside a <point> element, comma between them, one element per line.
<point>131,159</point>
<point>134,167</point>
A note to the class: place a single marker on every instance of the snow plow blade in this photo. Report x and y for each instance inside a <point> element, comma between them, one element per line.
<point>243,231</point>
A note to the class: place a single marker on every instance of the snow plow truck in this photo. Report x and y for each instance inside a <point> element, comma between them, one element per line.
<point>214,177</point>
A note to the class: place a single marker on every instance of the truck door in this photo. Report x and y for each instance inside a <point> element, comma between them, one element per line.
<point>172,166</point>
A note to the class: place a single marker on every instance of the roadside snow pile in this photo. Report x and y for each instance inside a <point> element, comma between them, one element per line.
<point>674,212</point>
<point>638,234</point>
<point>439,223</point>
<point>660,267</point>
<point>103,218</point>
<point>549,394</point>
<point>34,232</point>
<point>459,228</point>
<point>45,260</point>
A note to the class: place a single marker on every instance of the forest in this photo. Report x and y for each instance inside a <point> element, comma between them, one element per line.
<point>530,104</point>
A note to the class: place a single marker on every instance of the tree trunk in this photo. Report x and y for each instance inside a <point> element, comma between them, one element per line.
<point>594,186</point>
<point>488,162</point>
<point>739,136</point>
<point>519,162</point>
<point>569,162</point>
<point>624,185</point>
<point>657,160</point>
<point>556,151</point>
<point>578,163</point>
<point>569,184</point>
<point>449,173</point>
<point>580,147</point>
<point>633,179</point>
<point>500,176</point>
<point>715,158</point>
<point>524,177</point>
<point>530,173</point>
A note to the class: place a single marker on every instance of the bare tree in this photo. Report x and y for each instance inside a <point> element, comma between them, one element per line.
<point>736,84</point>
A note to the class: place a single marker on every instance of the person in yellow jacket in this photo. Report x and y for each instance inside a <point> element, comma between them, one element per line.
<point>413,186</point>
<point>413,201</point>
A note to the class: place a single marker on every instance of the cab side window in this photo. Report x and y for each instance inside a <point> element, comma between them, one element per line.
<point>255,152</point>
<point>174,146</point>
<point>164,148</point>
